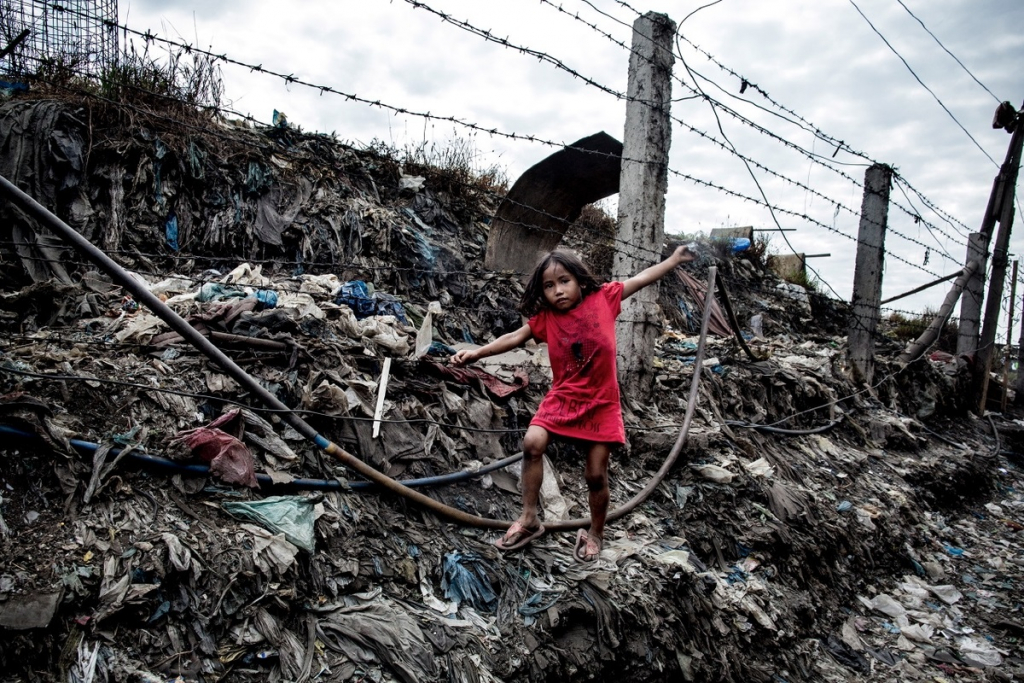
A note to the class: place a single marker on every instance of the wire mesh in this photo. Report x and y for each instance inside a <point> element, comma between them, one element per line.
<point>80,35</point>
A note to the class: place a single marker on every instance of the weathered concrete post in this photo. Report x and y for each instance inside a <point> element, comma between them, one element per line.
<point>642,185</point>
<point>970,306</point>
<point>970,309</point>
<point>1018,384</point>
<point>867,278</point>
<point>1000,258</point>
<point>1009,337</point>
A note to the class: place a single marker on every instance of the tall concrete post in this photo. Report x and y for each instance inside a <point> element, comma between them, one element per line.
<point>970,306</point>
<point>867,278</point>
<point>1000,258</point>
<point>1018,385</point>
<point>642,185</point>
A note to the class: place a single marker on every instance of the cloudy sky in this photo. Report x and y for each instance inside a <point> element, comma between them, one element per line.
<point>820,59</point>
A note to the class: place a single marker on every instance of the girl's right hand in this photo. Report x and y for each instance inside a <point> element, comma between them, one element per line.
<point>463,357</point>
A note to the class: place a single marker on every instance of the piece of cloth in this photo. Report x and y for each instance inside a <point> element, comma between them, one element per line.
<point>497,386</point>
<point>583,402</point>
<point>215,443</point>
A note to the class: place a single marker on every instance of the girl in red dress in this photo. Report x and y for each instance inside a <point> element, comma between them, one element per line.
<point>575,315</point>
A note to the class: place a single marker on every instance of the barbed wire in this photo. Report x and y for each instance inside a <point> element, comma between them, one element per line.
<point>815,157</point>
<point>707,136</point>
<point>634,246</point>
<point>795,214</point>
<point>804,216</point>
<point>810,127</point>
<point>487,35</point>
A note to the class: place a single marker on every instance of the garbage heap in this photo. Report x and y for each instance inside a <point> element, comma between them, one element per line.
<point>157,524</point>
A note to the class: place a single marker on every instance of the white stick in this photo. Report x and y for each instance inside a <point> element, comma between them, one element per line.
<point>382,389</point>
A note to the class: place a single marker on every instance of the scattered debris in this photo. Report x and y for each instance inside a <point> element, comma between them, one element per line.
<point>884,548</point>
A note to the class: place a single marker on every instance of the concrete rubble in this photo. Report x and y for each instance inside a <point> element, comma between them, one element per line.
<point>885,547</point>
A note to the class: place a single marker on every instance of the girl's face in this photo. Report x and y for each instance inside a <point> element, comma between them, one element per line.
<point>561,289</point>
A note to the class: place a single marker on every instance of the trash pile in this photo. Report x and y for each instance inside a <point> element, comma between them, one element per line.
<point>158,524</point>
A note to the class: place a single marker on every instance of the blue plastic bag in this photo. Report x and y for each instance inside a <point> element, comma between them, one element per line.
<point>465,581</point>
<point>356,295</point>
<point>739,244</point>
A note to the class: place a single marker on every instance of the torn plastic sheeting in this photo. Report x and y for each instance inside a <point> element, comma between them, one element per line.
<point>884,604</point>
<point>271,221</point>
<point>384,331</point>
<point>539,602</point>
<point>171,231</point>
<point>215,291</point>
<point>978,651</point>
<point>377,632</point>
<point>464,581</point>
<point>846,655</point>
<point>292,516</point>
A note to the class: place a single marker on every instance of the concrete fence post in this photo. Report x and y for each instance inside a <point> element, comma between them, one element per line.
<point>642,185</point>
<point>867,278</point>
<point>969,327</point>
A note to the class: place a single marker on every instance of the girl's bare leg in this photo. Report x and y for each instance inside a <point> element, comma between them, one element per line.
<point>597,483</point>
<point>535,443</point>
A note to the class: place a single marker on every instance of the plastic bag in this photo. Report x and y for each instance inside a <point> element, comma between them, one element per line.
<point>292,516</point>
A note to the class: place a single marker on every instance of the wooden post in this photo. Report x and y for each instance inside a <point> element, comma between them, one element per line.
<point>970,307</point>
<point>867,278</point>
<point>1009,337</point>
<point>993,302</point>
<point>642,185</point>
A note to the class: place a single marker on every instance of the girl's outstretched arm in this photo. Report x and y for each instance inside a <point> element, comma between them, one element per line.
<point>656,272</point>
<point>505,342</point>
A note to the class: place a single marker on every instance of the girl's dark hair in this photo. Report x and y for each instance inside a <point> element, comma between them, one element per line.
<point>533,301</point>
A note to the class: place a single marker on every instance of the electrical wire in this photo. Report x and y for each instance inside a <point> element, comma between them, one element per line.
<point>939,42</point>
<point>922,83</point>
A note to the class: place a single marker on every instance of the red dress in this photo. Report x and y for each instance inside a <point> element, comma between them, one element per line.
<point>584,399</point>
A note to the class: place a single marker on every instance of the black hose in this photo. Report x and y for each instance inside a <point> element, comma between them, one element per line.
<point>734,323</point>
<point>265,480</point>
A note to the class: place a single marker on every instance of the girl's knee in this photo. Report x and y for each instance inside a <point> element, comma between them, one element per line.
<point>533,447</point>
<point>597,480</point>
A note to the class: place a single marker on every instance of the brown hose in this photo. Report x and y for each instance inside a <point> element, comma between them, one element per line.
<point>193,337</point>
<point>455,515</point>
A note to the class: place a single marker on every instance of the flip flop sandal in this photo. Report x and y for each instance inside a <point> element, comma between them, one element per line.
<point>518,536</point>
<point>587,549</point>
<point>579,552</point>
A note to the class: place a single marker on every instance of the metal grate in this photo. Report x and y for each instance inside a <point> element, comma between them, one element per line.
<point>74,35</point>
